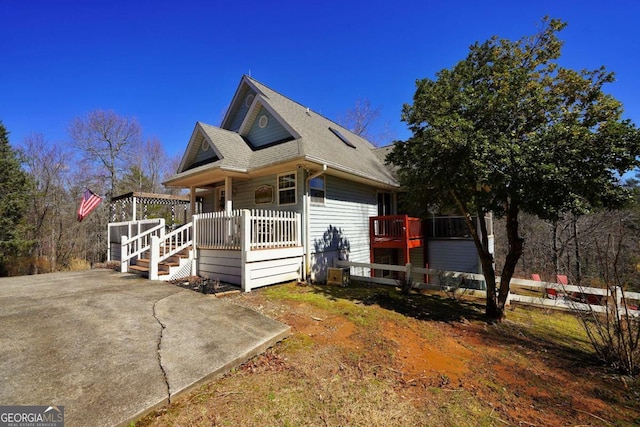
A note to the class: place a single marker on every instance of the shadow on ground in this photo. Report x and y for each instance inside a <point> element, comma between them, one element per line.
<point>416,305</point>
<point>571,354</point>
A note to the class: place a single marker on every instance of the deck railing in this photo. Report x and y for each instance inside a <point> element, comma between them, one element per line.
<point>218,230</point>
<point>274,229</point>
<point>265,229</point>
<point>394,228</point>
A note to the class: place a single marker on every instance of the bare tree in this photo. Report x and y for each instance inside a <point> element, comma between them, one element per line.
<point>48,166</point>
<point>107,141</point>
<point>155,162</point>
<point>359,118</point>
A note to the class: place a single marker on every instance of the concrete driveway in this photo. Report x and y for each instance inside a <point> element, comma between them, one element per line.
<point>110,346</point>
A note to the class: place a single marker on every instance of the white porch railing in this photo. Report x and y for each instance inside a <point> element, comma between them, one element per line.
<point>176,241</point>
<point>274,229</point>
<point>115,231</point>
<point>217,230</point>
<point>172,243</point>
<point>257,234</point>
<point>262,230</point>
<point>133,247</point>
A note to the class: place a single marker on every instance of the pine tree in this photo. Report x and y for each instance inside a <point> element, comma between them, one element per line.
<point>13,203</point>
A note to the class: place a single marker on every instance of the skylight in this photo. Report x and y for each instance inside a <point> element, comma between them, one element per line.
<point>342,137</point>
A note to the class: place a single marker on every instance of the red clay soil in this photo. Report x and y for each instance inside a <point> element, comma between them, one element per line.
<point>514,376</point>
<point>525,384</point>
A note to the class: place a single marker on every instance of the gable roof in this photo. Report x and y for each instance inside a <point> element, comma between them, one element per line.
<point>305,137</point>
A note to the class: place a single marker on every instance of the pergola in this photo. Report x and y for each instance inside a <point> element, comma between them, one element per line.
<point>135,206</point>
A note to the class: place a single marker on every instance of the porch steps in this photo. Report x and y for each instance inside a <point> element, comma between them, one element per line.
<point>164,268</point>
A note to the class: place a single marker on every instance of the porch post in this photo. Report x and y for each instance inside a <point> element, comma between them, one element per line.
<point>194,245</point>
<point>228,194</point>
<point>108,242</point>
<point>245,247</point>
<point>154,256</point>
<point>134,208</point>
<point>124,261</point>
<point>192,200</point>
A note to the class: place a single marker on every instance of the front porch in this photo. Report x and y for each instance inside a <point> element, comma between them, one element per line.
<point>248,248</point>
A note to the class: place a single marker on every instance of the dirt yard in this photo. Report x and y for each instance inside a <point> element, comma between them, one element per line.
<point>369,356</point>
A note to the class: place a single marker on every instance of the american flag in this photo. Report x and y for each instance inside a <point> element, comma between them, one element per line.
<point>90,201</point>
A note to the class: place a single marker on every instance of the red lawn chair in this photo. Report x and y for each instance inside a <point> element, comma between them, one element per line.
<point>550,292</point>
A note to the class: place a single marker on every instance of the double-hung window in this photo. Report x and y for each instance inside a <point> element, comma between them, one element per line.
<point>317,189</point>
<point>287,189</point>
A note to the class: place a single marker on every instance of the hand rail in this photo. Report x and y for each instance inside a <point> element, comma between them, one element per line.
<point>136,245</point>
<point>176,241</point>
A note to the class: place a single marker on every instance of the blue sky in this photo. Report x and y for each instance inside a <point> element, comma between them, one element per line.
<point>171,64</point>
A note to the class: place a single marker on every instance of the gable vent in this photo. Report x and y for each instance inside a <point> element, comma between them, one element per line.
<point>249,99</point>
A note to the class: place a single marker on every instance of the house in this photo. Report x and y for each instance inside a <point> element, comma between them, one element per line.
<point>279,192</point>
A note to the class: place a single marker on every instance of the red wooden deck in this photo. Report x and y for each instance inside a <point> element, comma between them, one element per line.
<point>396,232</point>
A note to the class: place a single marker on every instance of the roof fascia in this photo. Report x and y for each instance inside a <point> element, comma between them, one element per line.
<point>205,135</point>
<point>204,175</point>
<point>198,129</point>
<point>188,149</point>
<point>352,173</point>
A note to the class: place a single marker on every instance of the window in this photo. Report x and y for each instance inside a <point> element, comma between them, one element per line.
<point>450,227</point>
<point>316,189</point>
<point>287,189</point>
<point>384,204</point>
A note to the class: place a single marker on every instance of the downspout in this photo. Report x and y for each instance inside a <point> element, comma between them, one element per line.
<point>307,215</point>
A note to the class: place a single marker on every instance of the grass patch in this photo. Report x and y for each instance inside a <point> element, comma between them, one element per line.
<point>369,356</point>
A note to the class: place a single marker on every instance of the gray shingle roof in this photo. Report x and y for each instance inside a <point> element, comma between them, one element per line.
<point>316,142</point>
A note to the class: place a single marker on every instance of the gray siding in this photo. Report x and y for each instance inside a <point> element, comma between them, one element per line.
<point>237,116</point>
<point>273,132</point>
<point>209,202</point>
<point>244,197</point>
<point>339,228</point>
<point>202,155</point>
<point>220,265</point>
<point>454,255</point>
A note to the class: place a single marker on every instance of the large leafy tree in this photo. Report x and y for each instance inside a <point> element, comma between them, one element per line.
<point>14,188</point>
<point>507,130</point>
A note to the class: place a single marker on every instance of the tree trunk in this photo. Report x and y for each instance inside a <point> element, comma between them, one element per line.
<point>515,247</point>
<point>556,259</point>
<point>481,241</point>
<point>574,221</point>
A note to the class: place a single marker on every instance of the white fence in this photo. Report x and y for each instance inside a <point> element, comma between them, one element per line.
<point>565,297</point>
<point>256,229</point>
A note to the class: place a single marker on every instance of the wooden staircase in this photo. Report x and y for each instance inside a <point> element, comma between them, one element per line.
<point>166,268</point>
